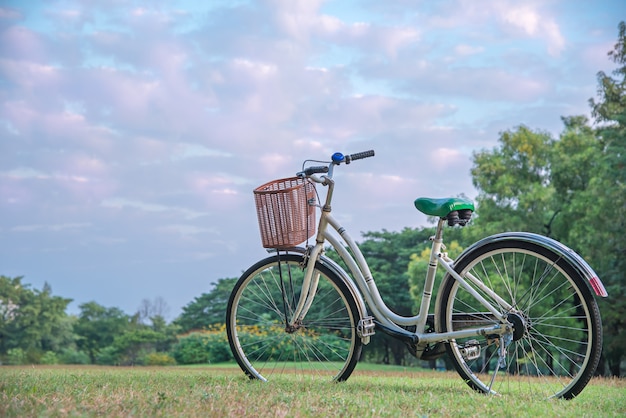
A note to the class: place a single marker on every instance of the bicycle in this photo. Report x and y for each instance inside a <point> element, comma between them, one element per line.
<point>514,312</point>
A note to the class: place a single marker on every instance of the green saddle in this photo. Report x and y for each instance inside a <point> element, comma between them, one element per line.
<point>442,207</point>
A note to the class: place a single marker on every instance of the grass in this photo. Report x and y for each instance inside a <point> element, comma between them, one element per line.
<point>222,390</point>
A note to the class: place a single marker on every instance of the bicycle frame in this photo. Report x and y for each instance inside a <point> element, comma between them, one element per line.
<point>515,311</point>
<point>328,231</point>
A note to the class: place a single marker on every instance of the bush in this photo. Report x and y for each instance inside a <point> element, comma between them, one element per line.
<point>210,346</point>
<point>219,349</point>
<point>191,350</point>
<point>71,356</point>
<point>158,359</point>
<point>108,356</point>
<point>16,356</point>
<point>273,341</point>
<point>49,357</point>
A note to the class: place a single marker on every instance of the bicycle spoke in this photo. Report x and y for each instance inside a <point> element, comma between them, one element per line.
<point>323,343</point>
<point>552,354</point>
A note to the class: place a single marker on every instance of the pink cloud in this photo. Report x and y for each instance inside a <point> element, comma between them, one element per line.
<point>21,43</point>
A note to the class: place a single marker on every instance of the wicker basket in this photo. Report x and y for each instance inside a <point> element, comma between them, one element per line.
<point>286,218</point>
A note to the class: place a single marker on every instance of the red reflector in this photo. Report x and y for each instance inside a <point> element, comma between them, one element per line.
<point>598,287</point>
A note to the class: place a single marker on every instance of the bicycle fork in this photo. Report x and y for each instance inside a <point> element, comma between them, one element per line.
<point>308,291</point>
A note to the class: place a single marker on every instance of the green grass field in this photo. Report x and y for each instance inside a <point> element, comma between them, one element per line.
<point>223,390</point>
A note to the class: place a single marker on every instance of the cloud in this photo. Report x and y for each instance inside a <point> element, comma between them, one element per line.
<point>121,203</point>
<point>136,131</point>
<point>464,49</point>
<point>534,23</point>
<point>186,230</point>
<point>51,228</point>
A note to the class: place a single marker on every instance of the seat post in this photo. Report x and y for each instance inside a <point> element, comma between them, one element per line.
<point>427,292</point>
<point>439,231</point>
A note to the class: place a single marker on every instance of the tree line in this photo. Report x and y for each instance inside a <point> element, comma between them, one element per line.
<point>571,188</point>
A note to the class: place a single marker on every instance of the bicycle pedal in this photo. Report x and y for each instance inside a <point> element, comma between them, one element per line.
<point>471,350</point>
<point>366,326</point>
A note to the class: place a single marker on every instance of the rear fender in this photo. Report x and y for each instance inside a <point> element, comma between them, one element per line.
<point>566,253</point>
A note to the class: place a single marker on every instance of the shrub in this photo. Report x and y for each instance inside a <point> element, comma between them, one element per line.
<point>209,346</point>
<point>158,359</point>
<point>219,349</point>
<point>16,356</point>
<point>49,357</point>
<point>71,356</point>
<point>273,341</point>
<point>191,350</point>
<point>108,356</point>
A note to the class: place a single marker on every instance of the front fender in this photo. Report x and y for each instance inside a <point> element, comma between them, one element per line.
<point>336,269</point>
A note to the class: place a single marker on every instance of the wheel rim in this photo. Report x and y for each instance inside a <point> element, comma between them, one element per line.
<point>323,344</point>
<point>551,355</point>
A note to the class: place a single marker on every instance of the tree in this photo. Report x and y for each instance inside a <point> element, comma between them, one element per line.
<point>572,189</point>
<point>208,308</point>
<point>129,347</point>
<point>97,327</point>
<point>514,186</point>
<point>603,224</point>
<point>32,320</point>
<point>152,308</point>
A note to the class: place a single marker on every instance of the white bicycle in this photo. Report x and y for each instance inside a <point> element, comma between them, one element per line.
<point>515,312</point>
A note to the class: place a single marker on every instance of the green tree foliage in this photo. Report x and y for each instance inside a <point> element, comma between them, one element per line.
<point>168,333</point>
<point>514,183</point>
<point>73,356</point>
<point>208,308</point>
<point>602,227</point>
<point>32,320</point>
<point>109,336</point>
<point>131,347</point>
<point>34,328</point>
<point>418,267</point>
<point>572,189</point>
<point>97,327</point>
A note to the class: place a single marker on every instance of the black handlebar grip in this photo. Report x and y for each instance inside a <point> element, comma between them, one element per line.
<point>315,170</point>
<point>361,155</point>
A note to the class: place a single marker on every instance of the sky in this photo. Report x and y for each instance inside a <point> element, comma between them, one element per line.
<point>132,133</point>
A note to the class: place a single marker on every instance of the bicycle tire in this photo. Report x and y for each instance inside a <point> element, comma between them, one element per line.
<point>326,342</point>
<point>558,337</point>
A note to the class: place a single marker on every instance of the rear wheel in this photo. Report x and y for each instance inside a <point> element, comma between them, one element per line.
<point>557,339</point>
<point>324,343</point>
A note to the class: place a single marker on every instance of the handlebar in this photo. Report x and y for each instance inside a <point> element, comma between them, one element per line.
<point>359,156</point>
<point>336,159</point>
<point>322,169</point>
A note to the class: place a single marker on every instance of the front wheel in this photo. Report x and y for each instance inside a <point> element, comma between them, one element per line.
<point>557,339</point>
<point>325,343</point>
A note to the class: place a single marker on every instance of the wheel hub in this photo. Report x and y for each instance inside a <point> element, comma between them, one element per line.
<point>290,329</point>
<point>520,325</point>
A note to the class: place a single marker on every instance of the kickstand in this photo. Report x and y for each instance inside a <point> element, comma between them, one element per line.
<point>504,342</point>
